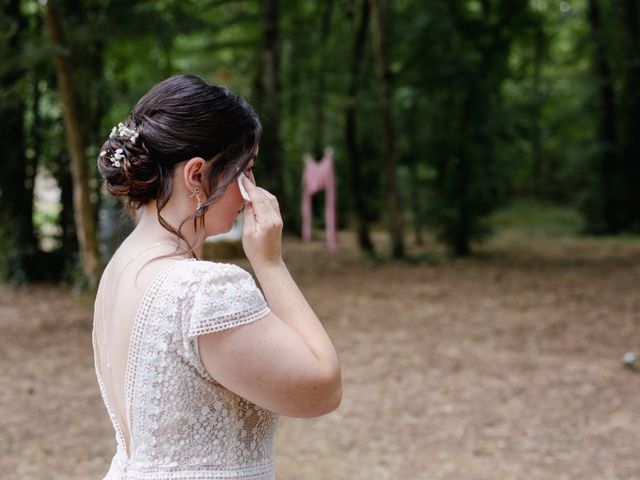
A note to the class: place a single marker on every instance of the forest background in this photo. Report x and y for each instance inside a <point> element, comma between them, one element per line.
<point>440,112</point>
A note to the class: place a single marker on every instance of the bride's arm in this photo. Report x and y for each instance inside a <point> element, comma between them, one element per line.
<point>284,361</point>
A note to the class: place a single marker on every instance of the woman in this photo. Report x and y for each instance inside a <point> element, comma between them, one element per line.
<point>194,362</point>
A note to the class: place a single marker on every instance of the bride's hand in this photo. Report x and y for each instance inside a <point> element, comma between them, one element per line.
<point>262,231</point>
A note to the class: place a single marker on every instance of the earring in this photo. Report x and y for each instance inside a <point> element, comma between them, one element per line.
<point>196,190</point>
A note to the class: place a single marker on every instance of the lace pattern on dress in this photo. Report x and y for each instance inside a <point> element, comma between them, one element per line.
<point>136,338</point>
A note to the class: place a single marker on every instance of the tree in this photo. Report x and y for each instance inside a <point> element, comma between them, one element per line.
<point>77,145</point>
<point>17,171</point>
<point>463,52</point>
<point>631,116</point>
<point>605,201</point>
<point>394,213</point>
<point>268,92</point>
<point>351,136</point>
<point>321,75</point>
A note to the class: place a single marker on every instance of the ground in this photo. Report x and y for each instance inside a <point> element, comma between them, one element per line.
<point>502,366</point>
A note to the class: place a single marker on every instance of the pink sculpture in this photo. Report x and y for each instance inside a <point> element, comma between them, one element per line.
<point>317,176</point>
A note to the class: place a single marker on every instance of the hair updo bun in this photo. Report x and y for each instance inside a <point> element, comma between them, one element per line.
<point>180,118</point>
<point>133,174</point>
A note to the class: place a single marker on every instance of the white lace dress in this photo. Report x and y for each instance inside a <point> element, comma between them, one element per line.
<point>183,424</point>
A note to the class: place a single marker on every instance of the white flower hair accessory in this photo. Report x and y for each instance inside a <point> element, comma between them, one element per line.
<point>115,158</point>
<point>124,132</point>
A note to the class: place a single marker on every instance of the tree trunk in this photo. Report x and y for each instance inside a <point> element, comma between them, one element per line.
<point>269,97</point>
<point>415,203</point>
<point>351,137</point>
<point>83,211</point>
<point>609,161</point>
<point>631,150</point>
<point>69,238</point>
<point>325,32</point>
<point>536,131</point>
<point>18,239</point>
<point>394,212</point>
<point>463,178</point>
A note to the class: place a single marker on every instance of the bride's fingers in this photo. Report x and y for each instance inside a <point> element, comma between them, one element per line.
<point>272,201</point>
<point>261,206</point>
<point>275,206</point>
<point>249,186</point>
<point>249,218</point>
<point>267,204</point>
<point>272,198</point>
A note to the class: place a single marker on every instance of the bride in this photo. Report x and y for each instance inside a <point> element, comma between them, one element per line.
<point>195,363</point>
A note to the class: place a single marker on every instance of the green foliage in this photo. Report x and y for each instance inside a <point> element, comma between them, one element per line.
<point>492,100</point>
<point>462,52</point>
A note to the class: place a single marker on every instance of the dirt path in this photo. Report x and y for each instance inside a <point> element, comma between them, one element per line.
<point>506,366</point>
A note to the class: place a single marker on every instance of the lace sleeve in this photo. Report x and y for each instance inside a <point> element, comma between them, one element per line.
<point>226,297</point>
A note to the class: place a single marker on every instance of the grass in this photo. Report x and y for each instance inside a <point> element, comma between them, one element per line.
<point>538,219</point>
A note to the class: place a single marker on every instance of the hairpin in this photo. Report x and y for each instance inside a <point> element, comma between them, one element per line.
<point>124,132</point>
<point>115,158</point>
<point>120,131</point>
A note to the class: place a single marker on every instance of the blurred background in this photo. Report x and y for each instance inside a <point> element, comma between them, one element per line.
<point>487,163</point>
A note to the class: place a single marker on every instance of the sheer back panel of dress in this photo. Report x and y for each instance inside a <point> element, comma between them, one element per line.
<point>120,294</point>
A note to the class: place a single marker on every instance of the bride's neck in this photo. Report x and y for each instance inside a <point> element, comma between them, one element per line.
<point>150,230</point>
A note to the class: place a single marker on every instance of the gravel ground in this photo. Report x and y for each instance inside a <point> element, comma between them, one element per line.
<point>503,366</point>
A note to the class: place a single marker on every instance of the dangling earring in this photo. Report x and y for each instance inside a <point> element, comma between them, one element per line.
<point>196,190</point>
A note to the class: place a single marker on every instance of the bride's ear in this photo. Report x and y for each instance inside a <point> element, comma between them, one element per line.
<point>194,173</point>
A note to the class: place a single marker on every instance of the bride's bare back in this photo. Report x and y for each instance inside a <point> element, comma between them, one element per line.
<point>123,284</point>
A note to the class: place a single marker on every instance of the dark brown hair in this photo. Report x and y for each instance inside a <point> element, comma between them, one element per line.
<point>180,118</point>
